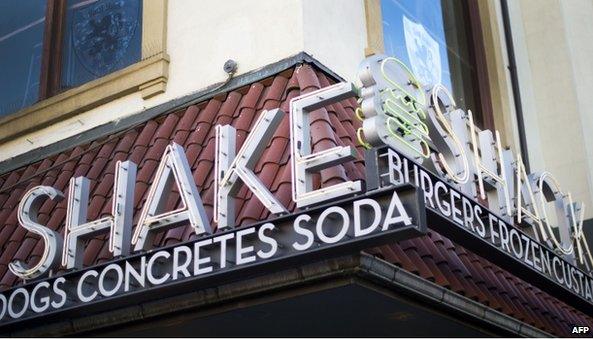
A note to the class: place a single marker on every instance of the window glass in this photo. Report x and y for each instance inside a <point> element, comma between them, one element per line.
<point>100,37</point>
<point>21,46</point>
<point>430,36</point>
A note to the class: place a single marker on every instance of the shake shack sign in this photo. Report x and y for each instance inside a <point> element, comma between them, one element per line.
<point>437,168</point>
<point>349,225</point>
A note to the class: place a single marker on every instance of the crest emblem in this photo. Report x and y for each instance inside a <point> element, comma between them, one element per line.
<point>102,32</point>
<point>423,52</point>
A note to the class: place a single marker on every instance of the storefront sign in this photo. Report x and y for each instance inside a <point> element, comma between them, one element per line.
<point>425,132</point>
<point>425,125</point>
<point>387,215</point>
<point>475,227</point>
<point>431,134</point>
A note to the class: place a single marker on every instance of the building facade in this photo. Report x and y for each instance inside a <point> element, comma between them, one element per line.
<point>143,89</point>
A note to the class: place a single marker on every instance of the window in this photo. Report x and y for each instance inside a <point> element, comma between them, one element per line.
<point>49,46</point>
<point>128,39</point>
<point>99,37</point>
<point>21,47</point>
<point>439,41</point>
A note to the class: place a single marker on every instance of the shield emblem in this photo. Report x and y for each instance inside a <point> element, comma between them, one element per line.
<point>102,32</point>
<point>423,52</point>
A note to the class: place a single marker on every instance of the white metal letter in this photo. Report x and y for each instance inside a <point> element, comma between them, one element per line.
<point>118,224</point>
<point>27,216</point>
<point>303,162</point>
<point>486,165</point>
<point>173,168</point>
<point>231,170</point>
<point>454,163</point>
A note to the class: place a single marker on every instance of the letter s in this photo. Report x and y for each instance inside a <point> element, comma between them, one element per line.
<point>303,231</point>
<point>451,160</point>
<point>27,216</point>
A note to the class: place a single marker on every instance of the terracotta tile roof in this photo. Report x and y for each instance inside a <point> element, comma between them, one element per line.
<point>433,257</point>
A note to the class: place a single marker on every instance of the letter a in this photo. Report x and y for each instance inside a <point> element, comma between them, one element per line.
<point>172,168</point>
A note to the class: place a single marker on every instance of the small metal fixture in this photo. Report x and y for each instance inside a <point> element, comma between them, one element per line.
<point>230,66</point>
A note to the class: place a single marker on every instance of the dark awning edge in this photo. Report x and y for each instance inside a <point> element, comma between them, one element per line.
<point>363,269</point>
<point>417,286</point>
<point>112,127</point>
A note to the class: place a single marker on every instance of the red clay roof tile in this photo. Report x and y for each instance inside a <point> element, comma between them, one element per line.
<point>126,142</point>
<point>229,106</point>
<point>275,94</point>
<point>10,180</point>
<point>188,119</point>
<point>307,78</point>
<point>251,97</point>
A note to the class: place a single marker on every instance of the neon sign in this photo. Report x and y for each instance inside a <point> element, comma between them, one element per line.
<point>475,161</point>
<point>424,125</point>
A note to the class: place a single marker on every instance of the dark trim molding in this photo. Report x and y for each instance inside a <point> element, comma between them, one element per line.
<point>508,37</point>
<point>362,269</point>
<point>478,54</point>
<point>188,100</point>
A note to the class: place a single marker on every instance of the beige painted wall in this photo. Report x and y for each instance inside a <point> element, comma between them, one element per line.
<point>553,44</point>
<point>203,34</point>
<point>339,41</point>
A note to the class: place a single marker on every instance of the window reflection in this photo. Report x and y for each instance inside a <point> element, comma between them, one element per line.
<point>101,36</point>
<point>21,46</point>
<point>430,36</point>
